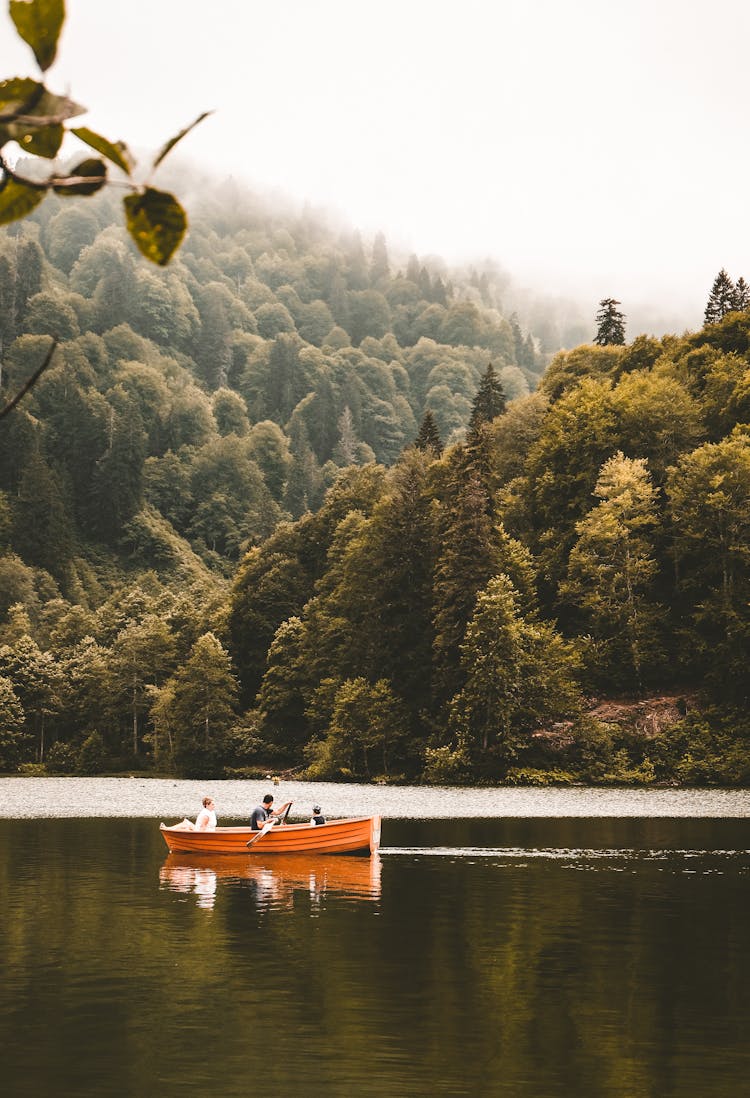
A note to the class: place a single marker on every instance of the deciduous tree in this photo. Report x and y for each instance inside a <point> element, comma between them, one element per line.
<point>612,571</point>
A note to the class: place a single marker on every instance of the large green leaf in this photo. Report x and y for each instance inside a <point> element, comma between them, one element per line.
<point>96,169</point>
<point>178,137</point>
<point>117,152</point>
<point>39,23</point>
<point>20,92</point>
<point>30,99</point>
<point>17,200</point>
<point>26,107</point>
<point>44,141</point>
<point>157,223</point>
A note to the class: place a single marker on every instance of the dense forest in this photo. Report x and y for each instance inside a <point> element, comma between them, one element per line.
<point>295,503</point>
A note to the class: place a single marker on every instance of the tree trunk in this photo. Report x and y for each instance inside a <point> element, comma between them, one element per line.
<point>135,716</point>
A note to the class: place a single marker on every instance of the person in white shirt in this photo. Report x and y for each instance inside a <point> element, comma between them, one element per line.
<point>316,816</point>
<point>204,821</point>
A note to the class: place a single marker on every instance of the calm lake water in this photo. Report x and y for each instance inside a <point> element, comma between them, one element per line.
<point>525,955</point>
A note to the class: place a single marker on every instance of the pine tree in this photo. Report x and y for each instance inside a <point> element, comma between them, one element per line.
<point>412,270</point>
<point>7,303</point>
<point>518,674</point>
<point>11,726</point>
<point>610,324</point>
<point>721,299</point>
<point>379,263</point>
<point>42,531</point>
<point>518,347</point>
<point>467,559</point>
<point>402,545</point>
<point>741,300</point>
<point>280,698</point>
<point>199,703</point>
<point>345,452</point>
<point>439,293</point>
<point>29,267</point>
<point>429,436</point>
<point>489,401</point>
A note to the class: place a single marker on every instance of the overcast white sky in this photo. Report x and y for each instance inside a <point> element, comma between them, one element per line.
<point>587,145</point>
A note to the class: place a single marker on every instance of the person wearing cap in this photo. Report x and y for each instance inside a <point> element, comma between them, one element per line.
<point>316,816</point>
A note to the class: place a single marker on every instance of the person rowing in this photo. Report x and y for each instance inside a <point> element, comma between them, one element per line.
<point>264,814</point>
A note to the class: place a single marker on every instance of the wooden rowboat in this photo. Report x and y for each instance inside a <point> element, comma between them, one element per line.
<point>355,836</point>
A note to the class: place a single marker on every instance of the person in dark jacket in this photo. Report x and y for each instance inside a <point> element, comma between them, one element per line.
<point>316,816</point>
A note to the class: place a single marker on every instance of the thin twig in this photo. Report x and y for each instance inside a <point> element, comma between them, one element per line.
<point>30,383</point>
<point>56,181</point>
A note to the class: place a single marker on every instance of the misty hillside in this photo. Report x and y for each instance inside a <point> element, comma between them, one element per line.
<point>187,411</point>
<point>295,487</point>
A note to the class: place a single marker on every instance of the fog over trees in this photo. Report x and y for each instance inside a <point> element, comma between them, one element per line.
<point>299,501</point>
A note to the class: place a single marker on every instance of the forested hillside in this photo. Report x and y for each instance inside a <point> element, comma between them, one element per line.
<point>298,503</point>
<point>227,392</point>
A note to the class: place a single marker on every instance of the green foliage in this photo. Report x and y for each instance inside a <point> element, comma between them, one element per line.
<point>196,707</point>
<point>429,437</point>
<point>224,450</point>
<point>612,571</point>
<point>446,766</point>
<point>157,223</point>
<point>62,758</point>
<point>367,727</point>
<point>518,676</point>
<point>92,755</point>
<point>39,24</point>
<point>709,492</point>
<point>528,775</point>
<point>489,401</point>
<point>12,719</point>
<point>610,324</point>
<point>721,300</point>
<point>35,118</point>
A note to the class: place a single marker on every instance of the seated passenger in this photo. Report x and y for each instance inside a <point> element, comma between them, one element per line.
<point>204,821</point>
<point>316,816</point>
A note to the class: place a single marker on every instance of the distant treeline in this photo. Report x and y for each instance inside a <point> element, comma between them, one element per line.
<point>291,505</point>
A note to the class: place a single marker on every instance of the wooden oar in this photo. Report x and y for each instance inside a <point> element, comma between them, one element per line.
<point>263,831</point>
<point>284,810</point>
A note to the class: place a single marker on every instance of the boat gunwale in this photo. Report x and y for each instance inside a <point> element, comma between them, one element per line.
<point>242,828</point>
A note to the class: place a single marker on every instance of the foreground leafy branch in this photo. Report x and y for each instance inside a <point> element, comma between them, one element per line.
<point>30,383</point>
<point>35,119</point>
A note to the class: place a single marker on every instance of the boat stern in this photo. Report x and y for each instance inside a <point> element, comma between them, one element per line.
<point>374,834</point>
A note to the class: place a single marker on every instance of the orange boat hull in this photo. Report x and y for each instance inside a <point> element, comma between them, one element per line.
<point>357,836</point>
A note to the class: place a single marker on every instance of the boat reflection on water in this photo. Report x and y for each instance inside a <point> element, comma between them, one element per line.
<point>276,878</point>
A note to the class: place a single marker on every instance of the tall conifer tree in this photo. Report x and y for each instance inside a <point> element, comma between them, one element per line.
<point>489,401</point>
<point>466,561</point>
<point>379,267</point>
<point>721,299</point>
<point>610,323</point>
<point>741,295</point>
<point>429,436</point>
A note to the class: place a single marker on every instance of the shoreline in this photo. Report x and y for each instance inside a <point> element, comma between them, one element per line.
<point>172,798</point>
